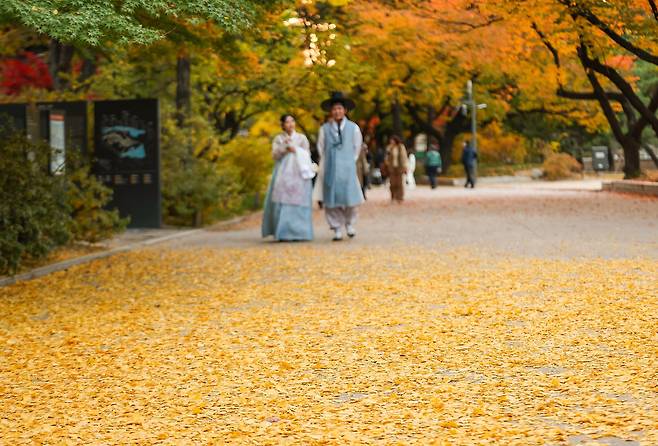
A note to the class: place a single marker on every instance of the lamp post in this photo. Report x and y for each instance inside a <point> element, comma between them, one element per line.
<point>470,103</point>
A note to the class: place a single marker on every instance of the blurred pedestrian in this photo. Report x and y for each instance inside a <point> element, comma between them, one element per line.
<point>379,175</point>
<point>411,171</point>
<point>433,164</point>
<point>288,206</point>
<point>469,160</point>
<point>396,167</point>
<point>363,169</point>
<point>319,180</point>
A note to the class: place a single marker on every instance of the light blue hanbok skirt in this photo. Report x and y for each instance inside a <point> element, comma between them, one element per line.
<point>287,222</point>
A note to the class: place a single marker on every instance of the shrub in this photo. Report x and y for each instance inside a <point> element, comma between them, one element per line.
<point>40,211</point>
<point>251,156</point>
<point>90,221</point>
<point>498,146</point>
<point>34,209</point>
<point>196,190</point>
<point>558,166</point>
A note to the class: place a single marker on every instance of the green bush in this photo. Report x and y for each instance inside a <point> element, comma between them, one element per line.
<point>196,190</point>
<point>90,221</point>
<point>252,157</point>
<point>34,209</point>
<point>40,211</point>
<point>559,166</point>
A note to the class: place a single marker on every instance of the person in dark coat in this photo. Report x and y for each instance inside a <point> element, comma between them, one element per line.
<point>469,160</point>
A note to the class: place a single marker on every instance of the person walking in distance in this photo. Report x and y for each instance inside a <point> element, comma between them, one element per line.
<point>433,163</point>
<point>469,160</point>
<point>410,179</point>
<point>363,169</point>
<point>396,167</point>
<point>339,145</point>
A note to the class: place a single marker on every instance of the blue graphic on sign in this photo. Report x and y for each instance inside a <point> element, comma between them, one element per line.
<point>126,142</point>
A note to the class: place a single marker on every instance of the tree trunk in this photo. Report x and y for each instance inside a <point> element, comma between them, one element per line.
<point>59,63</point>
<point>397,118</point>
<point>631,140</point>
<point>445,150</point>
<point>431,116</point>
<point>88,68</point>
<point>631,148</point>
<point>183,89</point>
<point>457,125</point>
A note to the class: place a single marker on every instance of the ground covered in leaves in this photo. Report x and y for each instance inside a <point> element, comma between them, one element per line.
<point>306,345</point>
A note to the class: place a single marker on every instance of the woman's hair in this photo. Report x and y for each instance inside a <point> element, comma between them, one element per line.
<point>286,116</point>
<point>396,139</point>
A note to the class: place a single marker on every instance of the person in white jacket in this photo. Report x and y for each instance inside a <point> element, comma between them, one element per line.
<point>411,168</point>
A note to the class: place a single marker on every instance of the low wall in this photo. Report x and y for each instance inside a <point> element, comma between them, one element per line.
<point>632,187</point>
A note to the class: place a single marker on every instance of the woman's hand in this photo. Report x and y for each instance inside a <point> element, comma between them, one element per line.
<point>291,149</point>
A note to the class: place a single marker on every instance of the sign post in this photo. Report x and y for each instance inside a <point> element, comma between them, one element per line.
<point>57,138</point>
<point>127,157</point>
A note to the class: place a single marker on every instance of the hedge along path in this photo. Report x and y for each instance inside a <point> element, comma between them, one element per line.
<point>308,345</point>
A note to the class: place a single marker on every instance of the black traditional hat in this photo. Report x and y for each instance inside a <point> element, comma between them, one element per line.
<point>338,97</point>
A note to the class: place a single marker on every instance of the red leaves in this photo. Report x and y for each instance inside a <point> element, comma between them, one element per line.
<point>26,71</point>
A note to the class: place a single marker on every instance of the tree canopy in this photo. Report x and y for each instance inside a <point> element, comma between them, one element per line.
<point>94,22</point>
<point>554,73</point>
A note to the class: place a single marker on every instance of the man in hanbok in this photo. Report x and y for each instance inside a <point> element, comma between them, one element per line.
<point>339,145</point>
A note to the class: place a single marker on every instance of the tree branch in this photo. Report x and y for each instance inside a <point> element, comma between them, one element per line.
<point>654,8</point>
<point>588,15</point>
<point>470,26</point>
<point>422,123</point>
<point>620,82</point>
<point>636,131</point>
<point>561,91</point>
<point>543,111</point>
<point>601,97</point>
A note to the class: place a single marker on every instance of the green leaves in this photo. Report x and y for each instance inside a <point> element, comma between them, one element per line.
<point>40,211</point>
<point>95,22</point>
<point>34,212</point>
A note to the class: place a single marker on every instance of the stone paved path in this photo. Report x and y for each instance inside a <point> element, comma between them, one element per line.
<point>537,219</point>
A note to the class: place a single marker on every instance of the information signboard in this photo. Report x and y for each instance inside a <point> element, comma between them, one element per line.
<point>127,157</point>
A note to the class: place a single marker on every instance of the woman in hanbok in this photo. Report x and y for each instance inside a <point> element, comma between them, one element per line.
<point>288,212</point>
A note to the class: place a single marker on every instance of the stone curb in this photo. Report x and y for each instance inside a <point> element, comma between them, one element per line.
<point>646,188</point>
<point>65,264</point>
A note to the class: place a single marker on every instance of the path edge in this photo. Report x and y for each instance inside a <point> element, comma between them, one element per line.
<point>636,187</point>
<point>66,264</point>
